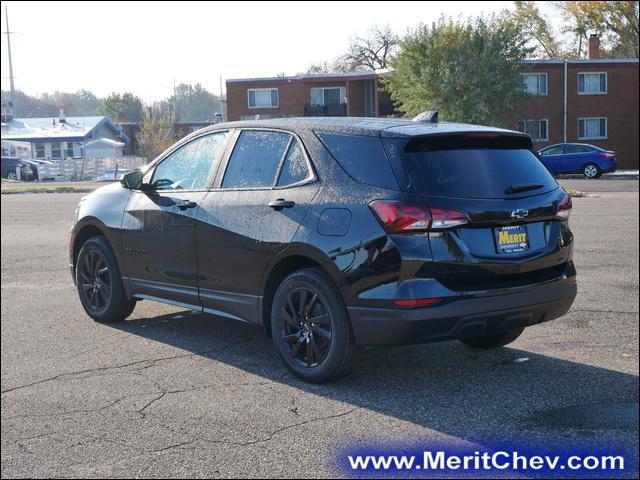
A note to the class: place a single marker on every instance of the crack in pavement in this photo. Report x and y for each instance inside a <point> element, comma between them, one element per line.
<point>153,361</point>
<point>161,393</point>
<point>75,412</point>
<point>268,438</point>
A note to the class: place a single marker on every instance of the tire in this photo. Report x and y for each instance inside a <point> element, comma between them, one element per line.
<point>315,351</point>
<point>99,283</point>
<point>493,341</point>
<point>591,170</point>
<point>12,176</point>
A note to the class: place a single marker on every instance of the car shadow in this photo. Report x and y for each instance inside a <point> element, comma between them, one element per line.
<point>506,394</point>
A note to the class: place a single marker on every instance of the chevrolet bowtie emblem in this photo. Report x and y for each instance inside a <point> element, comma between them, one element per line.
<point>520,213</point>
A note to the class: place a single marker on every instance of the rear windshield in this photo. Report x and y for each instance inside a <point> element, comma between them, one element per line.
<point>476,172</point>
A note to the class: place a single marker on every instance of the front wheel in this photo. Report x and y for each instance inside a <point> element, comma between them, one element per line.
<point>591,170</point>
<point>99,282</point>
<point>493,341</point>
<point>311,328</point>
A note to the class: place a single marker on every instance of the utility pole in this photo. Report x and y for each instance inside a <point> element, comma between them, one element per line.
<point>12,97</point>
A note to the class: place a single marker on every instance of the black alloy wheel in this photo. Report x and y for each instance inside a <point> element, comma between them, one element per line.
<point>96,280</point>
<point>311,327</point>
<point>306,327</point>
<point>99,283</point>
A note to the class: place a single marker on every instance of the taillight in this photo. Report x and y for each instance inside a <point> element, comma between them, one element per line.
<point>399,217</point>
<point>563,210</point>
<point>608,155</point>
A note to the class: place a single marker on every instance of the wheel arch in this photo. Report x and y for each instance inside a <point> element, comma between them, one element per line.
<point>82,232</point>
<point>283,267</point>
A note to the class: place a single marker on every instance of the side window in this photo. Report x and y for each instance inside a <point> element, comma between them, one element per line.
<point>576,149</point>
<point>255,159</point>
<point>363,158</point>
<point>294,168</point>
<point>552,151</point>
<point>188,168</point>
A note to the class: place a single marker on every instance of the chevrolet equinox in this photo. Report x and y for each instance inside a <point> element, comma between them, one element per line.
<point>332,233</point>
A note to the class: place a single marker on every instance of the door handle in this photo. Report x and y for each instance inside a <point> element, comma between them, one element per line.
<point>185,204</point>
<point>281,203</point>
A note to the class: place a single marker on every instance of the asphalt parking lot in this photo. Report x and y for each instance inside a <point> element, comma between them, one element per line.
<point>171,393</point>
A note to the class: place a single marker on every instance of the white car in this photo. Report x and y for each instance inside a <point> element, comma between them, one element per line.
<point>113,175</point>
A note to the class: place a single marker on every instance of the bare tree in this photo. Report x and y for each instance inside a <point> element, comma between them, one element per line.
<point>536,29</point>
<point>372,51</point>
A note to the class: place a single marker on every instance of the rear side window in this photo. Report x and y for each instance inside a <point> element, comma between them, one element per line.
<point>363,158</point>
<point>577,149</point>
<point>294,168</point>
<point>255,159</point>
<point>475,172</point>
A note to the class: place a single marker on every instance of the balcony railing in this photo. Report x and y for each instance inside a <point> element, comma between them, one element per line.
<point>330,110</point>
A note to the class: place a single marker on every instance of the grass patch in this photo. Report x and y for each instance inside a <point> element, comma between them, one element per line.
<point>19,187</point>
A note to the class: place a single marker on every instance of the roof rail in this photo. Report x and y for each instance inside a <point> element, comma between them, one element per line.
<point>430,116</point>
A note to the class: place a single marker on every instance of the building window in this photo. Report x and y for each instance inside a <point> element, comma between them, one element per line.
<point>263,97</point>
<point>68,149</point>
<point>592,83</point>
<point>39,150</point>
<point>534,83</point>
<point>538,129</point>
<point>56,151</point>
<point>592,128</point>
<point>324,96</point>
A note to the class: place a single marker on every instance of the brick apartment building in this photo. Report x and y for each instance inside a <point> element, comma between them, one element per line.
<point>591,101</point>
<point>356,94</point>
<point>585,101</point>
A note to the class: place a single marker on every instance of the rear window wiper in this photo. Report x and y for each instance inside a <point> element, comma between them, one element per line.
<point>522,188</point>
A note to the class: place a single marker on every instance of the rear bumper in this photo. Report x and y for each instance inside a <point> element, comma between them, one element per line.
<point>469,317</point>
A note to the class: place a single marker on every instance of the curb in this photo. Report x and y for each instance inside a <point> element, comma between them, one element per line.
<point>606,176</point>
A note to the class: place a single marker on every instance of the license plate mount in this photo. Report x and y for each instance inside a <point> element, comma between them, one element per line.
<point>511,239</point>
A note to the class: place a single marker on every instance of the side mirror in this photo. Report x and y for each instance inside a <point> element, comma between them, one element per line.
<point>133,180</point>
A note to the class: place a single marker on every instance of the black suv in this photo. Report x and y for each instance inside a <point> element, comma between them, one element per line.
<point>332,233</point>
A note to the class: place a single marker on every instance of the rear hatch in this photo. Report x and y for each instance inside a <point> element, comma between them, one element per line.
<point>497,205</point>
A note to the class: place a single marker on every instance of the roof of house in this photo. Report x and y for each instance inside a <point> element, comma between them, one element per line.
<point>370,74</point>
<point>582,61</point>
<point>364,75</point>
<point>370,126</point>
<point>104,141</point>
<point>51,129</point>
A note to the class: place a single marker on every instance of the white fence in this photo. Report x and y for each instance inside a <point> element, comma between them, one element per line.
<point>72,169</point>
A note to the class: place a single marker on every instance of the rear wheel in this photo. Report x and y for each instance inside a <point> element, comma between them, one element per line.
<point>12,176</point>
<point>591,170</point>
<point>493,341</point>
<point>311,328</point>
<point>99,282</point>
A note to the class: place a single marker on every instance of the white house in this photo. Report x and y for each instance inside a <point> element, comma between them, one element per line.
<point>103,148</point>
<point>63,137</point>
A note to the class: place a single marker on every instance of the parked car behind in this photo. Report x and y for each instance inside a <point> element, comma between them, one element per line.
<point>113,175</point>
<point>583,158</point>
<point>9,165</point>
<point>332,233</point>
